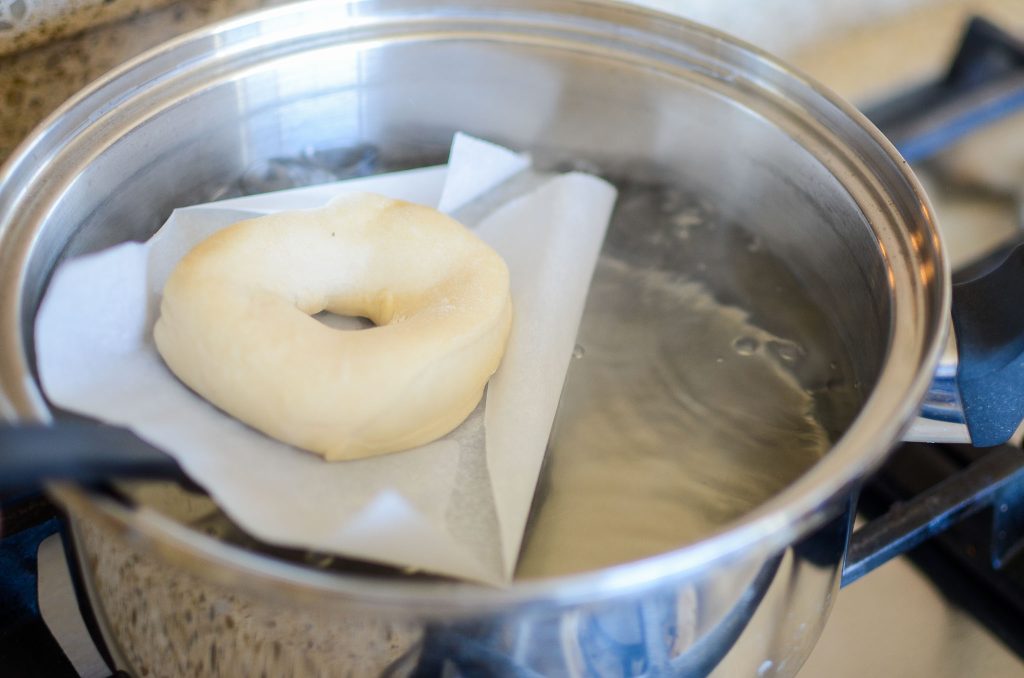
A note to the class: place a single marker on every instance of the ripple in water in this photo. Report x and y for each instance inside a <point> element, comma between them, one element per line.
<point>683,417</point>
<point>746,345</point>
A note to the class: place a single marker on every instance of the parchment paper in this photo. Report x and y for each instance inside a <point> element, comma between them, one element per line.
<point>457,506</point>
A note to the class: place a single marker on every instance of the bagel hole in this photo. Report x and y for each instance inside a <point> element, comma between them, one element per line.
<point>343,322</point>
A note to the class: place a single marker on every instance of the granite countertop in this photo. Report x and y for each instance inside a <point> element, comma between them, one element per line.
<point>35,81</point>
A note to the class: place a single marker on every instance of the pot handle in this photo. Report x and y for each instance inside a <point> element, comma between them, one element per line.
<point>977,392</point>
<point>988,318</point>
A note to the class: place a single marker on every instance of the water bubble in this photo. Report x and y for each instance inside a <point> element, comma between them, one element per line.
<point>746,345</point>
<point>719,360</point>
<point>754,244</point>
<point>764,668</point>
<point>684,221</point>
<point>687,219</point>
<point>789,352</point>
<point>833,366</point>
<point>671,201</point>
<point>578,352</point>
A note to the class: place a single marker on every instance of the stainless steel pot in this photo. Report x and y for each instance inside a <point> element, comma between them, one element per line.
<point>630,92</point>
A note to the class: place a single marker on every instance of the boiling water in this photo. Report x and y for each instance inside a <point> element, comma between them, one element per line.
<point>679,416</point>
<point>704,382</point>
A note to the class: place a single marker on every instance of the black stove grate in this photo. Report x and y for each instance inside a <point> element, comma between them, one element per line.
<point>958,560</point>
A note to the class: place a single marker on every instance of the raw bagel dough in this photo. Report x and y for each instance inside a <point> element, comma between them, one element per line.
<point>235,324</point>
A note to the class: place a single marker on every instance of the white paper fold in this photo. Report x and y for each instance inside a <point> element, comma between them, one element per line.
<point>457,506</point>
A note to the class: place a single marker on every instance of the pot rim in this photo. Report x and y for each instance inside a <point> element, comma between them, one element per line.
<point>919,288</point>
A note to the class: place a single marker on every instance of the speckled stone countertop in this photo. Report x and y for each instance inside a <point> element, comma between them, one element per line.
<point>27,23</point>
<point>36,81</point>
